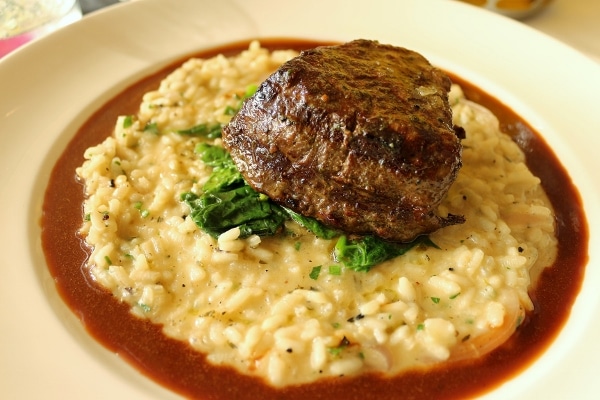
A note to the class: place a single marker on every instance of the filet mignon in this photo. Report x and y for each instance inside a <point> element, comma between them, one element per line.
<point>358,136</point>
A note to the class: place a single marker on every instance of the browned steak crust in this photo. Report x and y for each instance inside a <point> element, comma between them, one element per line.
<point>358,136</point>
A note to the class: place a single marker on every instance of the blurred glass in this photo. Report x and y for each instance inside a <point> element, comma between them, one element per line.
<point>24,20</point>
<point>518,9</point>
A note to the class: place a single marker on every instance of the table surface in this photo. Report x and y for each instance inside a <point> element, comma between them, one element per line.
<point>574,22</point>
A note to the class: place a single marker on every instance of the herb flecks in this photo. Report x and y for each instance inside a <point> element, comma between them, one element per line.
<point>314,274</point>
<point>357,317</point>
<point>151,127</point>
<point>337,351</point>
<point>208,131</point>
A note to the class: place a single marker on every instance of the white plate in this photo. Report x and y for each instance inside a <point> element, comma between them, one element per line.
<point>49,87</point>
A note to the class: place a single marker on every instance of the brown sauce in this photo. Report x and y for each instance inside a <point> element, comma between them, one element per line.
<point>176,366</point>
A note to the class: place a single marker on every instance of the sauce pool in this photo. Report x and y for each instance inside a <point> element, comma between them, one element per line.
<point>178,367</point>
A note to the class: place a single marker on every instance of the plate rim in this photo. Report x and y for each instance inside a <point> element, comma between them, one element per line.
<point>143,61</point>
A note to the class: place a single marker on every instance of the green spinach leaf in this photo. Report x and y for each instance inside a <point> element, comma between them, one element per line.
<point>228,201</point>
<point>365,252</point>
<point>313,225</point>
<point>217,212</point>
<point>204,130</point>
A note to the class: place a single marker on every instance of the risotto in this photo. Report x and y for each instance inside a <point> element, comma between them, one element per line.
<point>280,307</point>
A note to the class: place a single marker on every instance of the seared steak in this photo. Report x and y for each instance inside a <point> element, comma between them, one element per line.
<point>358,136</point>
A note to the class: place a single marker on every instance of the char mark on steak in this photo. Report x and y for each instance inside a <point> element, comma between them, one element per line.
<point>358,136</point>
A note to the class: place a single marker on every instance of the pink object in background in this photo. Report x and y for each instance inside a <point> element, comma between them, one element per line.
<point>10,44</point>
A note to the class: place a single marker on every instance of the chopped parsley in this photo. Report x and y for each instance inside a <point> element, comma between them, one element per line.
<point>335,270</point>
<point>314,274</point>
<point>128,121</point>
<point>151,127</point>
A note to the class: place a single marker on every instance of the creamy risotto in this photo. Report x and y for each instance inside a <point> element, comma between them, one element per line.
<point>257,303</point>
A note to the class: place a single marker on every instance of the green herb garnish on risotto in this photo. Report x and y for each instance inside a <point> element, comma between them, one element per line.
<point>227,202</point>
